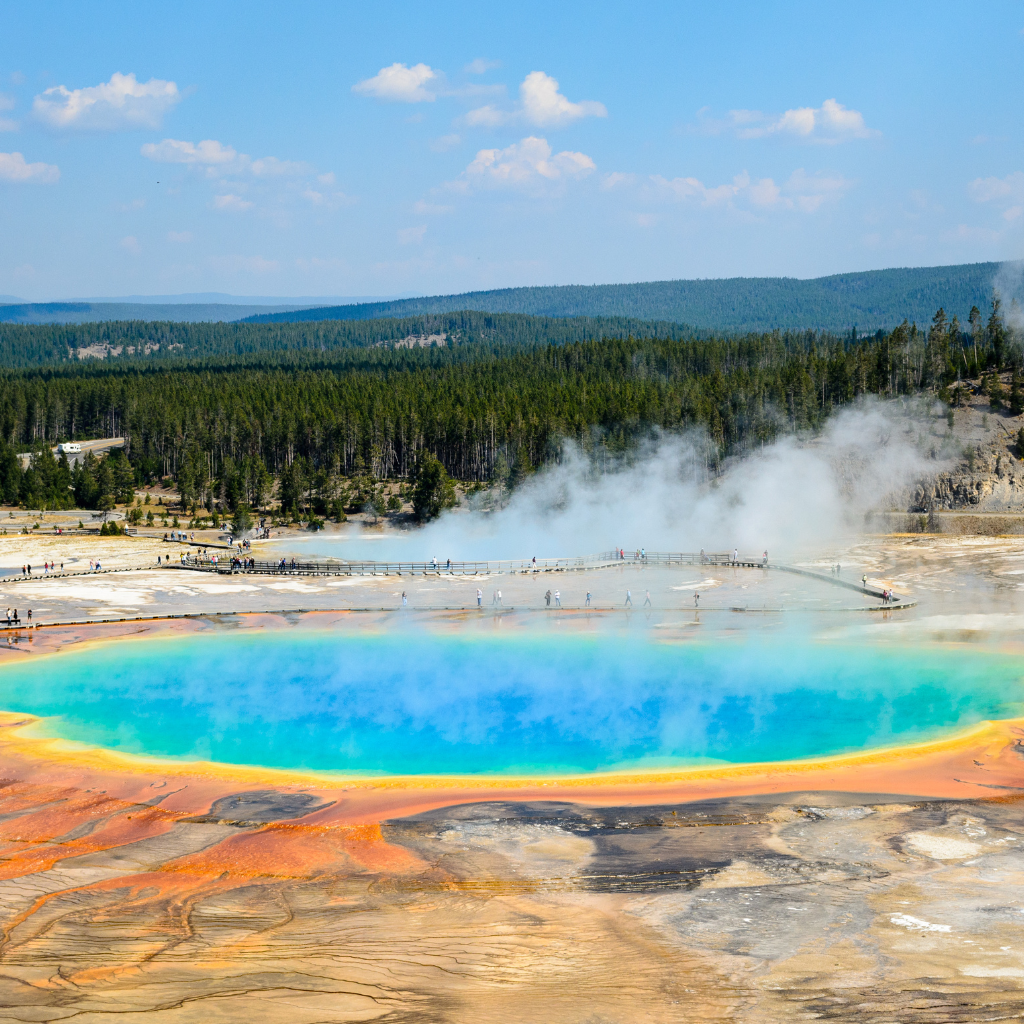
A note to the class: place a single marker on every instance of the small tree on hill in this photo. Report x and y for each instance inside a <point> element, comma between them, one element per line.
<point>433,489</point>
<point>241,521</point>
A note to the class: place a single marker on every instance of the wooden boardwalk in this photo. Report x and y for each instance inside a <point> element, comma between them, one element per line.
<point>583,563</point>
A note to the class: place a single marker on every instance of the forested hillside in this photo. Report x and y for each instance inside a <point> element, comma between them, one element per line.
<point>222,427</point>
<point>24,345</point>
<point>873,300</point>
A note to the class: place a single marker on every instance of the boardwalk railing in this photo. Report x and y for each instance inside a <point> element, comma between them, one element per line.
<point>338,567</point>
<point>604,560</point>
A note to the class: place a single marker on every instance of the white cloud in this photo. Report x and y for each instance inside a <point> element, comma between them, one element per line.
<point>131,243</point>
<point>122,102</point>
<point>400,84</point>
<point>221,161</point>
<point>479,66</point>
<point>1006,193</point>
<point>14,168</point>
<point>988,190</point>
<point>179,236</point>
<point>528,162</point>
<point>616,178</point>
<point>545,106</point>
<point>803,191</point>
<point>8,124</point>
<point>231,202</point>
<point>829,124</point>
<point>540,104</point>
<point>326,179</point>
<point>445,142</point>
<point>208,153</point>
<point>412,236</point>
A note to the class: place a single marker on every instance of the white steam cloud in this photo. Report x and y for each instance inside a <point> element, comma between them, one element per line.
<point>1009,286</point>
<point>794,496</point>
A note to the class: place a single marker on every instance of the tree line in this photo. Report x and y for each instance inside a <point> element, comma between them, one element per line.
<point>313,428</point>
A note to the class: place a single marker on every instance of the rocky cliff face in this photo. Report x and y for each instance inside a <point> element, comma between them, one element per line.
<point>996,484</point>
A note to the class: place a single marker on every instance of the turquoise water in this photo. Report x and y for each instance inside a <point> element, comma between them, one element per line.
<point>422,703</point>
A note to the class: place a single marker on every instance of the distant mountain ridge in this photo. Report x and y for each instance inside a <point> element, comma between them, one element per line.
<point>98,312</point>
<point>870,300</point>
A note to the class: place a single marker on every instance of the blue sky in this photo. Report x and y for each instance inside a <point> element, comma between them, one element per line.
<point>386,149</point>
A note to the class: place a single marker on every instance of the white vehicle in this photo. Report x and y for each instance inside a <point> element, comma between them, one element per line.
<point>69,448</point>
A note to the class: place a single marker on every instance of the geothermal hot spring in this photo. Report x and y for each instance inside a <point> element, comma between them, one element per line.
<point>419,702</point>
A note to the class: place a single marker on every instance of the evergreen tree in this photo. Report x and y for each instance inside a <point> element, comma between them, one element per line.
<point>996,331</point>
<point>433,489</point>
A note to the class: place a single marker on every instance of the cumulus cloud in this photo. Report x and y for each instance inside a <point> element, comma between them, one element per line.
<point>123,103</point>
<point>231,202</point>
<point>220,160</point>
<point>179,236</point>
<point>400,84</point>
<point>803,191</point>
<point>540,104</point>
<point>208,153</point>
<point>13,167</point>
<point>527,162</point>
<point>829,124</point>
<point>1006,192</point>
<point>131,243</point>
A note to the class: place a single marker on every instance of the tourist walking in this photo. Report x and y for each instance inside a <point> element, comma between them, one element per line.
<point>558,599</point>
<point>735,554</point>
<point>547,599</point>
<point>588,598</point>
<point>647,600</point>
<point>500,605</point>
<point>479,598</point>
<point>696,599</point>
<point>405,600</point>
<point>629,600</point>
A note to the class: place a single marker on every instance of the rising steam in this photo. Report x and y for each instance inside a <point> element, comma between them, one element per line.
<point>800,493</point>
